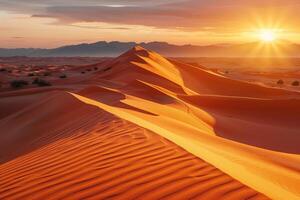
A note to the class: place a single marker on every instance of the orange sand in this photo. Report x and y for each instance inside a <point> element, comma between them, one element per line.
<point>145,127</point>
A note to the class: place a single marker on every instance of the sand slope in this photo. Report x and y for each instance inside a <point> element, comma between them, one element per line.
<point>102,156</point>
<point>145,127</point>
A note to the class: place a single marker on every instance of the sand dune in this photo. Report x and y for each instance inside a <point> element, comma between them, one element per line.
<point>146,127</point>
<point>103,156</point>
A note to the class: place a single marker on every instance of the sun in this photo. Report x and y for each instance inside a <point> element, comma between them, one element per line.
<point>267,35</point>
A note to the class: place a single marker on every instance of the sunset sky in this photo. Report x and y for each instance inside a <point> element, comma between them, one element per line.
<point>52,23</point>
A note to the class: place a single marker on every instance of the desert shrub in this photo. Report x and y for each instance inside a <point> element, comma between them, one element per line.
<point>18,83</point>
<point>88,70</point>
<point>280,82</point>
<point>83,72</point>
<point>3,70</point>
<point>31,74</point>
<point>295,83</point>
<point>35,81</point>
<point>41,82</point>
<point>95,68</point>
<point>63,76</point>
<point>47,73</point>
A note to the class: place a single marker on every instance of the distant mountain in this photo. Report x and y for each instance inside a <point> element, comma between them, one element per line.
<point>112,49</point>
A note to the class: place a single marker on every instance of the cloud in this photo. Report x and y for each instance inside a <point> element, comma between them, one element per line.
<point>173,14</point>
<point>100,27</point>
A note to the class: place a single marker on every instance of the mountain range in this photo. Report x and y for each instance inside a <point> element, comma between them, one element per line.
<point>115,48</point>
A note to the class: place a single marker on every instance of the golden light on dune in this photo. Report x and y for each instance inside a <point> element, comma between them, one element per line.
<point>267,35</point>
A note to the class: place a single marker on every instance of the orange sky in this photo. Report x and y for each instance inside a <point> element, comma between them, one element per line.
<point>51,23</point>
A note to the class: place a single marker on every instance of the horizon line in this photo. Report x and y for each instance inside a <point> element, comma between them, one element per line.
<point>139,43</point>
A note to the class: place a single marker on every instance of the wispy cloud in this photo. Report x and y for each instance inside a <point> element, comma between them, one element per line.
<point>100,27</point>
<point>17,37</point>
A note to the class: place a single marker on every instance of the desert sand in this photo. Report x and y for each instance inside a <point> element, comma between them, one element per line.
<point>142,126</point>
